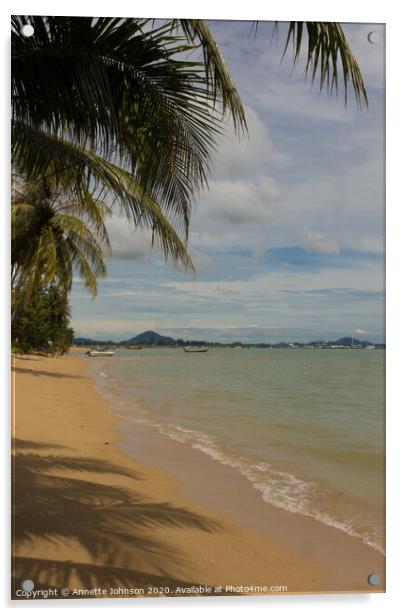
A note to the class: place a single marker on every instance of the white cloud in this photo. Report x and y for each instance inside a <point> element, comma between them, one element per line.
<point>202,262</point>
<point>245,157</point>
<point>360,330</point>
<point>373,244</point>
<point>128,242</point>
<point>314,241</point>
<point>241,202</point>
<point>241,191</point>
<point>136,245</point>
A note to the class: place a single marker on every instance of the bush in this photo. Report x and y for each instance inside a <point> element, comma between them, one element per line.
<point>42,323</point>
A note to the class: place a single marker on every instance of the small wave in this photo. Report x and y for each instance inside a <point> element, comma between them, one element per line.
<point>277,488</point>
<point>349,529</point>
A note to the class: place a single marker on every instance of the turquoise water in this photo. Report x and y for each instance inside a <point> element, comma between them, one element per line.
<point>306,427</point>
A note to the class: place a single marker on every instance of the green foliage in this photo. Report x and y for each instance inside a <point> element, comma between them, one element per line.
<point>49,240</point>
<point>115,108</point>
<point>327,47</point>
<point>43,322</point>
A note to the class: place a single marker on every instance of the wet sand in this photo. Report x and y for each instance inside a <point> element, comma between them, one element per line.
<point>213,484</point>
<point>105,504</point>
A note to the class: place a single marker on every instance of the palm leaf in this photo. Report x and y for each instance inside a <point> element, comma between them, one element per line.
<point>49,244</point>
<point>124,91</point>
<point>78,170</point>
<point>327,46</point>
<point>218,78</point>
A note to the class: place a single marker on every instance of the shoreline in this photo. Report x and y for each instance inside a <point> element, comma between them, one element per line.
<point>175,528</point>
<point>306,492</point>
<point>213,484</point>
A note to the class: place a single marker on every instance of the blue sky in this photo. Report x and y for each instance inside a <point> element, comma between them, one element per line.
<point>288,241</point>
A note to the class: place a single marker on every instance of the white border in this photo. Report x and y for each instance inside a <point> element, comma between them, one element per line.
<point>343,10</point>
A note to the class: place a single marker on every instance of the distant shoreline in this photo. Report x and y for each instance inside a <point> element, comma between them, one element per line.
<point>87,344</point>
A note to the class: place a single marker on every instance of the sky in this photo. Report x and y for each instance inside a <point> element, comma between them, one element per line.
<point>288,241</point>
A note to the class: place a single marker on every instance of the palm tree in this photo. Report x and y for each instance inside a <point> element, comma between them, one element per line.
<point>103,107</point>
<point>116,109</point>
<point>49,240</point>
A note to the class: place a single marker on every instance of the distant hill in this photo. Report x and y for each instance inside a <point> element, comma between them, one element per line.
<point>151,338</point>
<point>348,341</point>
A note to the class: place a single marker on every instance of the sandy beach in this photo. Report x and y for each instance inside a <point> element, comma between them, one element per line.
<point>98,511</point>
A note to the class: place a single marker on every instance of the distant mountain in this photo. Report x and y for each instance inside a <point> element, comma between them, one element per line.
<point>150,338</point>
<point>348,341</point>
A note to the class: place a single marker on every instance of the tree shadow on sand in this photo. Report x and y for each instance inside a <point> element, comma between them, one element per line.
<point>39,373</point>
<point>109,521</point>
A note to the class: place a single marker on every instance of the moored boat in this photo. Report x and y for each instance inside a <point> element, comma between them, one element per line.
<point>195,349</point>
<point>100,353</point>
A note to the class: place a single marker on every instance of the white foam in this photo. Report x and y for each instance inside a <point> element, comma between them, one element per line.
<point>277,488</point>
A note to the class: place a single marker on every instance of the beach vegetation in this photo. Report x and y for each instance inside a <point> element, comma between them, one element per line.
<point>51,238</point>
<point>115,108</point>
<point>43,323</point>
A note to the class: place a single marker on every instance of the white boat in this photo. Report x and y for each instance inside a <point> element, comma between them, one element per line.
<point>195,349</point>
<point>100,353</point>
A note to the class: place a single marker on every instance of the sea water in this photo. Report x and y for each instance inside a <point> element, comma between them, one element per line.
<point>305,427</point>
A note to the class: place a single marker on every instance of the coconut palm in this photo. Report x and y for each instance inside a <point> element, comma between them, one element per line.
<point>120,110</point>
<point>52,238</point>
<point>105,106</point>
<point>50,241</point>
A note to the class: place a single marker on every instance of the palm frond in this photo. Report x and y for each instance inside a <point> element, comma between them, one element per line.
<point>218,78</point>
<point>49,244</point>
<point>125,92</point>
<point>78,170</point>
<point>327,46</point>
